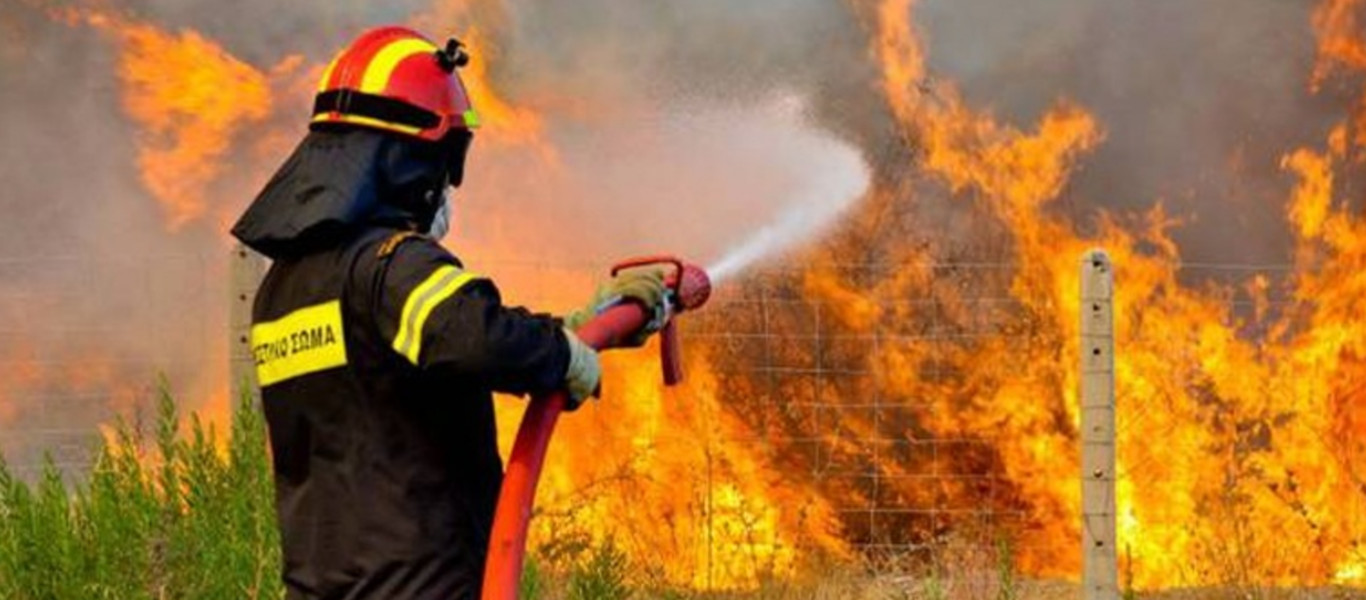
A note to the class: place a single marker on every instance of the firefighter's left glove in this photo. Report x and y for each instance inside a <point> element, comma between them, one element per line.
<point>584,374</point>
<point>643,286</point>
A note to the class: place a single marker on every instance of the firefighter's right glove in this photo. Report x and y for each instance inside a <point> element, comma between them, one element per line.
<point>645,286</point>
<point>584,374</point>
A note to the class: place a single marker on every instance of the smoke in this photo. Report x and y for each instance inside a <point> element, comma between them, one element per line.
<point>829,181</point>
<point>1199,101</point>
<point>698,182</point>
<point>722,121</point>
<point>260,32</point>
<point>90,288</point>
<point>715,129</point>
<point>671,128</point>
<point>681,128</point>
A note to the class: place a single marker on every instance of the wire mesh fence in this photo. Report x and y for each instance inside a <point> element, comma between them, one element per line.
<point>921,418</point>
<point>850,391</point>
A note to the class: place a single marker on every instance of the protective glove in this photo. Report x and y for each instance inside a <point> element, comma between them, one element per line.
<point>584,374</point>
<point>645,286</point>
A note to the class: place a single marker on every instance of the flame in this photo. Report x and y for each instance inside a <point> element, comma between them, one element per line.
<point>190,97</point>
<point>1351,573</point>
<point>659,472</point>
<point>1230,445</point>
<point>506,123</point>
<point>503,123</point>
<point>662,473</point>
<point>1240,435</point>
<point>1338,26</point>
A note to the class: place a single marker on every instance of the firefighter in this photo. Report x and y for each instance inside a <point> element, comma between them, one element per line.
<point>377,352</point>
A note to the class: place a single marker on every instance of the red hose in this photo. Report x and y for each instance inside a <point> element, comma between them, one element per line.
<point>507,542</point>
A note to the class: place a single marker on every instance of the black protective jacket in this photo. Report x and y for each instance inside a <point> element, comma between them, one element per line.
<point>377,353</point>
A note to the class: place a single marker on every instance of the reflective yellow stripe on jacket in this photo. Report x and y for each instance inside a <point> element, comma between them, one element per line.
<point>439,286</point>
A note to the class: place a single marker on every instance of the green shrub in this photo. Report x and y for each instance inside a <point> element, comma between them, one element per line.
<point>173,517</point>
<point>604,576</point>
<point>180,514</point>
<point>534,584</point>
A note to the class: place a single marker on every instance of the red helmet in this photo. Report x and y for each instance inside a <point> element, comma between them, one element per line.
<point>394,79</point>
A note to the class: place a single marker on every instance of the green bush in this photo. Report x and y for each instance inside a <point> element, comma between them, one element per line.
<point>602,577</point>
<point>179,514</point>
<point>171,517</point>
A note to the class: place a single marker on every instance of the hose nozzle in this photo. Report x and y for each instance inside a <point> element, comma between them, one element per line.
<point>689,289</point>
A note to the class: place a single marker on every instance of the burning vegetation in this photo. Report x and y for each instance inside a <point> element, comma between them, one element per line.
<point>901,388</point>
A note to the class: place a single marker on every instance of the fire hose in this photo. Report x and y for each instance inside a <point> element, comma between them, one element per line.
<point>689,288</point>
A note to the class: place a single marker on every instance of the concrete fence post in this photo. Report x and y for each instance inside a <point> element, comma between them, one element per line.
<point>1100,556</point>
<point>245,272</point>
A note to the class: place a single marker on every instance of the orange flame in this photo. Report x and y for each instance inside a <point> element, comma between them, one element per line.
<point>1230,446</point>
<point>502,122</point>
<point>190,97</point>
<point>1240,453</point>
<point>660,473</point>
<point>1338,27</point>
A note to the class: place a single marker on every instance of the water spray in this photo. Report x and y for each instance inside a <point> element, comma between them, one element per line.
<point>689,288</point>
<point>842,179</point>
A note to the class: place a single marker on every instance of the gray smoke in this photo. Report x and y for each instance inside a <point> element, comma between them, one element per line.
<point>260,32</point>
<point>686,97</point>
<point>1199,101</point>
<point>95,300</point>
<point>662,113</point>
<point>682,139</point>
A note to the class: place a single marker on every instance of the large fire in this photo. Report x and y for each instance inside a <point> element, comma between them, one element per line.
<point>1238,454</point>
<point>1241,438</point>
<point>189,98</point>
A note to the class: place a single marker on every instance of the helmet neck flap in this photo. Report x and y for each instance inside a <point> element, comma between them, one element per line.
<point>339,182</point>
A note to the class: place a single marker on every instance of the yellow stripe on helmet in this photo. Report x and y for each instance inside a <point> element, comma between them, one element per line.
<point>327,73</point>
<point>382,66</point>
<point>328,117</point>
